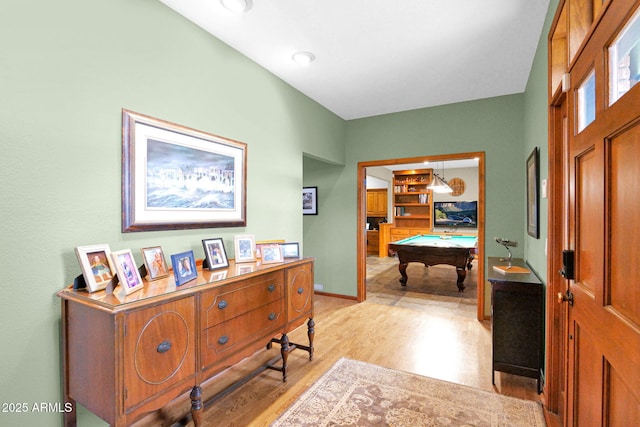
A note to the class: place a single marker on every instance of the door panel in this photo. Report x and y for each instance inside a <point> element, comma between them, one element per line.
<point>604,231</point>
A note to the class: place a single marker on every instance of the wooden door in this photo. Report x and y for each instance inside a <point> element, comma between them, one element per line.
<point>604,232</point>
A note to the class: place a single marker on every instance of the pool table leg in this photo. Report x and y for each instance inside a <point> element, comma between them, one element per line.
<point>462,274</point>
<point>403,272</point>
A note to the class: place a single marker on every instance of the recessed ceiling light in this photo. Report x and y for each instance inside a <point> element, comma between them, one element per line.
<point>303,58</point>
<point>237,6</point>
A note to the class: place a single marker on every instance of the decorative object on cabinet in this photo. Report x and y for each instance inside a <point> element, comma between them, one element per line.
<point>310,200</point>
<point>271,254</point>
<point>290,250</point>
<point>184,267</point>
<point>155,263</point>
<point>533,194</point>
<point>507,244</point>
<point>245,247</point>
<point>412,198</point>
<point>215,254</point>
<point>95,262</point>
<point>160,160</point>
<point>127,271</point>
<point>457,185</point>
<point>154,350</point>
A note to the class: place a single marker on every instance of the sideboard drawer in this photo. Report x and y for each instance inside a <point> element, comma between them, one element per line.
<point>159,348</point>
<point>227,302</point>
<point>229,336</point>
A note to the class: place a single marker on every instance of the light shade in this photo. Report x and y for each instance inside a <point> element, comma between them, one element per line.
<point>303,58</point>
<point>438,185</point>
<point>237,6</point>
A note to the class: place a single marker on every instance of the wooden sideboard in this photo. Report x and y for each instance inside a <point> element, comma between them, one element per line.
<point>127,355</point>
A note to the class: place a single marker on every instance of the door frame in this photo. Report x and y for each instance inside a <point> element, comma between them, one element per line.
<point>362,218</point>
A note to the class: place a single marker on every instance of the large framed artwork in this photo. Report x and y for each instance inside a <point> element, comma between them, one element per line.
<point>533,194</point>
<point>174,177</point>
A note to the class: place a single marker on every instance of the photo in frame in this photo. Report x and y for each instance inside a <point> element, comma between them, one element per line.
<point>127,271</point>
<point>95,262</point>
<point>215,253</point>
<point>310,200</point>
<point>174,177</point>
<point>533,194</point>
<point>290,250</point>
<point>271,254</point>
<point>184,267</point>
<point>244,247</point>
<point>155,262</point>
<point>261,243</point>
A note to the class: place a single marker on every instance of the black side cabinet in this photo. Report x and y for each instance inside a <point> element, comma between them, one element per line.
<point>517,306</point>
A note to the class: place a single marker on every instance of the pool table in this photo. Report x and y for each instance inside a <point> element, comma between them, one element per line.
<point>433,249</point>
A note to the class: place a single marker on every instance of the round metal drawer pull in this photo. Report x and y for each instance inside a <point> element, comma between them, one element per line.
<point>300,291</point>
<point>164,346</point>
<point>223,340</point>
<point>272,287</point>
<point>272,316</point>
<point>222,305</point>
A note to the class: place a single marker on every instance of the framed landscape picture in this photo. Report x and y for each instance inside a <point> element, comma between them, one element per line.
<point>95,262</point>
<point>155,262</point>
<point>174,177</point>
<point>215,254</point>
<point>184,267</point>
<point>290,250</point>
<point>310,200</point>
<point>128,274</point>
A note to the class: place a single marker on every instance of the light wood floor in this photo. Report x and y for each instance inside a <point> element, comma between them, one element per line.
<point>439,342</point>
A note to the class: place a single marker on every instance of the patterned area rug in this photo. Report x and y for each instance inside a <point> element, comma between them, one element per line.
<point>354,393</point>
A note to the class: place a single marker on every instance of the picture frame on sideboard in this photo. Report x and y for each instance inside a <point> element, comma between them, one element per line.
<point>215,253</point>
<point>184,267</point>
<point>128,274</point>
<point>155,263</point>
<point>95,263</point>
<point>244,248</point>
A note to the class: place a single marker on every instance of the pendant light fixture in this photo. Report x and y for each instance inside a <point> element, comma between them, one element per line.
<point>439,185</point>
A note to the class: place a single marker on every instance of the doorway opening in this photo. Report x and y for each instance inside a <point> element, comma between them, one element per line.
<point>412,162</point>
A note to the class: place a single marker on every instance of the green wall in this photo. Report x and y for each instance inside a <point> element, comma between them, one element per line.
<point>67,69</point>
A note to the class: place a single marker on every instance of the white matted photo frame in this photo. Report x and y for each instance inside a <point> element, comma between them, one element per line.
<point>95,262</point>
<point>290,250</point>
<point>155,262</point>
<point>127,271</point>
<point>310,200</point>
<point>184,267</point>
<point>245,247</point>
<point>174,177</point>
<point>215,253</point>
<point>271,254</point>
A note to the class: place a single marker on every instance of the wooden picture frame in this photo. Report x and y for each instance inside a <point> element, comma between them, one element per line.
<point>271,254</point>
<point>184,267</point>
<point>215,253</point>
<point>533,194</point>
<point>96,266</point>
<point>290,250</point>
<point>174,177</point>
<point>244,248</point>
<point>310,200</point>
<point>125,266</point>
<point>155,262</point>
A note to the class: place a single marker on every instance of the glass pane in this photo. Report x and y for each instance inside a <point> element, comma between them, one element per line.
<point>624,60</point>
<point>587,102</point>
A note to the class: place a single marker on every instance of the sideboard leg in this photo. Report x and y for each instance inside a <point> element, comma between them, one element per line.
<point>284,351</point>
<point>196,405</point>
<point>311,331</point>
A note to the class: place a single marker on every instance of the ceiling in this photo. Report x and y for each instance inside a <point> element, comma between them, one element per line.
<point>376,57</point>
